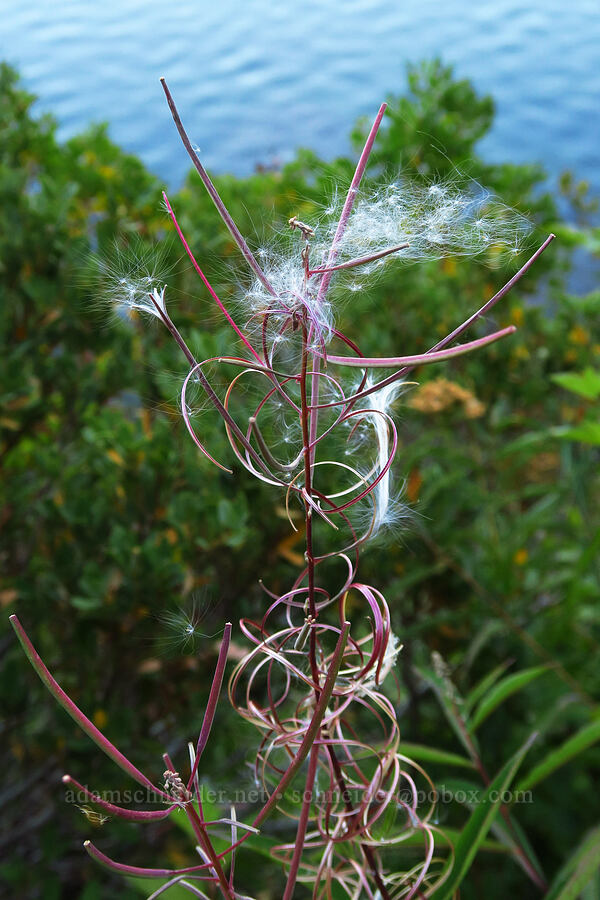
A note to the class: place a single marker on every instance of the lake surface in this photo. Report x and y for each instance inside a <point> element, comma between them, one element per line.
<point>255,79</point>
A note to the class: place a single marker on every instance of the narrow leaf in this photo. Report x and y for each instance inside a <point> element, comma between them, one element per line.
<point>587,433</point>
<point>448,837</point>
<point>432,755</point>
<point>475,831</point>
<point>578,870</point>
<point>483,686</point>
<point>572,747</point>
<point>504,689</point>
<point>452,707</point>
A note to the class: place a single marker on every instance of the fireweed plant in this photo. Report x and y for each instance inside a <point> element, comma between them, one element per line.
<point>312,682</point>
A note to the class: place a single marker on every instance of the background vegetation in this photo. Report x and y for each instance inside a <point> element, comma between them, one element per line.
<point>110,516</point>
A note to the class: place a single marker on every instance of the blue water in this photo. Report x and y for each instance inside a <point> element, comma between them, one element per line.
<point>255,79</point>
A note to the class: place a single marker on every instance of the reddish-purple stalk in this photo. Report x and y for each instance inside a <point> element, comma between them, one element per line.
<point>313,729</point>
<point>420,359</point>
<point>77,715</point>
<point>310,564</point>
<point>206,844</point>
<point>499,295</point>
<point>307,798</point>
<point>211,705</point>
<point>359,261</point>
<point>214,196</point>
<point>89,728</point>
<point>332,255</point>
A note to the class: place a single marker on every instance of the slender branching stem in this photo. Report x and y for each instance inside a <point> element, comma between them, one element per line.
<point>214,196</point>
<point>206,844</point>
<point>303,821</point>
<point>359,261</point>
<point>310,564</point>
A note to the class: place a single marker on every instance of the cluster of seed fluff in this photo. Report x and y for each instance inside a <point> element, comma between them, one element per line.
<point>292,292</point>
<point>436,220</point>
<point>387,506</point>
<point>132,277</point>
<point>142,295</point>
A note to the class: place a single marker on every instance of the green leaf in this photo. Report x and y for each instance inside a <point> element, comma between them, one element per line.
<point>483,686</point>
<point>572,747</point>
<point>451,703</point>
<point>584,560</point>
<point>585,384</point>
<point>504,689</point>
<point>475,831</point>
<point>587,433</point>
<point>521,845</point>
<point>578,871</point>
<point>592,889</point>
<point>431,754</point>
<point>86,604</point>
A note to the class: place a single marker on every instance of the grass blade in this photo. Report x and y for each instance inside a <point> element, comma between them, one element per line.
<point>421,753</point>
<point>579,869</point>
<point>504,689</point>
<point>572,747</point>
<point>475,831</point>
<point>483,686</point>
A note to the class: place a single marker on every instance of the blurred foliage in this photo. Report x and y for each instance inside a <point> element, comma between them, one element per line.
<point>110,516</point>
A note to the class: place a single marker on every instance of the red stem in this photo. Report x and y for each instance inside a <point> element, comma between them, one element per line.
<point>80,718</point>
<point>213,193</point>
<point>213,699</point>
<point>204,840</point>
<point>341,227</point>
<point>303,822</point>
